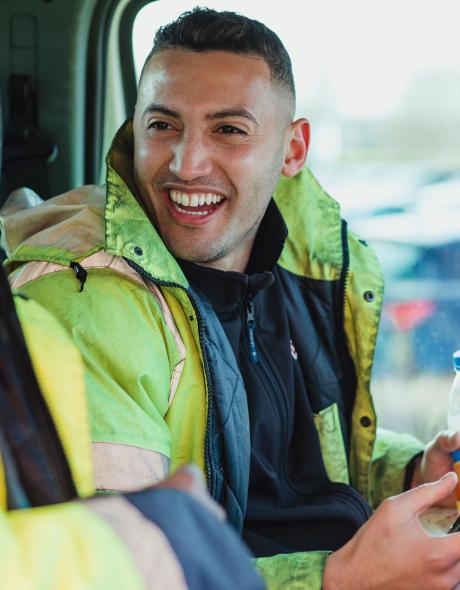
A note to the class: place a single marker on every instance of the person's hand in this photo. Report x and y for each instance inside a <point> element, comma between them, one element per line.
<point>391,551</point>
<point>437,461</point>
<point>190,479</point>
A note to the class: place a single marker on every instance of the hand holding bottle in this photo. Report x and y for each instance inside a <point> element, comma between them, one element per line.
<point>442,453</point>
<point>392,550</point>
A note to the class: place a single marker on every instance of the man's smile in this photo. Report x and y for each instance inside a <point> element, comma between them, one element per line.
<point>193,206</point>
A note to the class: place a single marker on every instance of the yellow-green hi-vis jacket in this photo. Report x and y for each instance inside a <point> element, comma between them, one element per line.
<point>162,389</point>
<point>66,546</point>
<point>130,542</point>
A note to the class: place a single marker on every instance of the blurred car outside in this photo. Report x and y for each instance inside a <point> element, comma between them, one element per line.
<point>366,189</point>
<point>419,252</point>
<point>444,194</point>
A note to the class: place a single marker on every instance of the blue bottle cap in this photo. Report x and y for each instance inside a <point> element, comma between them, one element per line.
<point>456,360</point>
<point>455,455</point>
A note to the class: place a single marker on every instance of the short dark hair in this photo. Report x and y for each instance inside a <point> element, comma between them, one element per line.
<point>205,29</point>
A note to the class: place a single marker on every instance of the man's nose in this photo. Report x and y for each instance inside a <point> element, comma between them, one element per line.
<point>191,157</point>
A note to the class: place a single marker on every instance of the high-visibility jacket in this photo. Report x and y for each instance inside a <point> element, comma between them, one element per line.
<point>163,384</point>
<point>109,542</point>
<point>64,546</point>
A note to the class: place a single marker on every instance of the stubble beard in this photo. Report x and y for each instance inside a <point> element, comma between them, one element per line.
<point>210,252</point>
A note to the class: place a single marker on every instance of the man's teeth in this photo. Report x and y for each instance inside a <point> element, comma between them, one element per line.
<point>194,199</point>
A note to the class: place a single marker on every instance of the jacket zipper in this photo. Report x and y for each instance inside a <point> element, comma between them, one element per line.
<point>250,329</point>
<point>207,452</point>
<point>350,376</point>
<point>343,280</point>
<point>273,388</point>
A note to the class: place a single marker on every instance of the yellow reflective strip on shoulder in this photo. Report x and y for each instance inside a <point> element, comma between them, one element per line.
<point>148,545</point>
<point>186,417</point>
<point>171,324</point>
<point>126,468</point>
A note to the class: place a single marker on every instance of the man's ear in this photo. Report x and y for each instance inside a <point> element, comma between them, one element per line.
<point>297,147</point>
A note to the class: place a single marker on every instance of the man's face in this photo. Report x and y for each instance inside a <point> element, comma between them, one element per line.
<point>211,132</point>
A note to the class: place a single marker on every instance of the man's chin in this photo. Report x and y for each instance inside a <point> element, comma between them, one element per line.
<point>191,255</point>
<point>219,254</point>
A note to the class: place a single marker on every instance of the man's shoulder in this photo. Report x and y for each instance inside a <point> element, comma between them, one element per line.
<point>25,199</point>
<point>58,230</point>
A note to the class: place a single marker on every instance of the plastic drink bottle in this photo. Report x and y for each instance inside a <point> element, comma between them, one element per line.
<point>453,417</point>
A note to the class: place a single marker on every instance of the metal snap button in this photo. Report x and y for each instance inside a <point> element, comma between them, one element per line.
<point>369,296</point>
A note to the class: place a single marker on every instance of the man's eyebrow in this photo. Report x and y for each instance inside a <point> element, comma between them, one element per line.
<point>239,112</point>
<point>155,107</point>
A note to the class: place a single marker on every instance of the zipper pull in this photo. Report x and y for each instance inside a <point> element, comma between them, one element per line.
<point>251,328</point>
<point>80,273</point>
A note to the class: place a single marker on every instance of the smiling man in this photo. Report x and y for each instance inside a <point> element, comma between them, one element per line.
<point>228,318</point>
<point>212,132</point>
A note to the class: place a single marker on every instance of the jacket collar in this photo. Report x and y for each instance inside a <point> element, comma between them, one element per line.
<point>314,246</point>
<point>128,230</point>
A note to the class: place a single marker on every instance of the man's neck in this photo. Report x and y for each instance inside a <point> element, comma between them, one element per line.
<point>235,261</point>
<point>259,253</point>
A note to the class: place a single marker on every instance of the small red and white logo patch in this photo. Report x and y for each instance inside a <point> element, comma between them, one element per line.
<point>295,356</point>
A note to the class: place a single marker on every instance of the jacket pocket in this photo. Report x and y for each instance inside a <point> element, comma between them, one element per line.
<point>332,446</point>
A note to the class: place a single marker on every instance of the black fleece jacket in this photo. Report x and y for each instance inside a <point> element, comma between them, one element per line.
<point>292,357</point>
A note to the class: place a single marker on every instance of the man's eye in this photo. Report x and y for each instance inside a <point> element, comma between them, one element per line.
<point>159,125</point>
<point>230,130</point>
